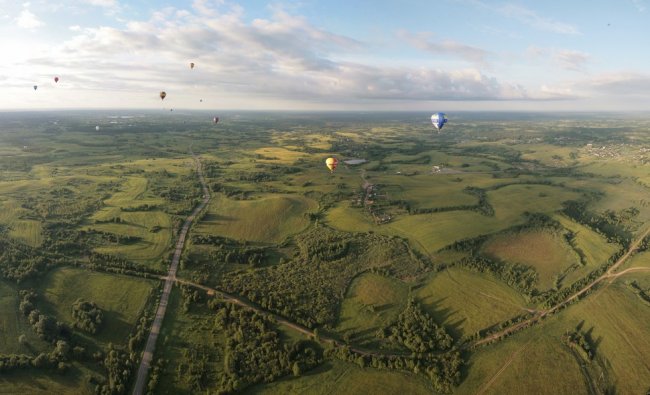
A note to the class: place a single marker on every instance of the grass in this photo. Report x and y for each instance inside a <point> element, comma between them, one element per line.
<point>151,247</point>
<point>594,246</point>
<point>13,324</point>
<point>338,377</point>
<point>267,219</point>
<point>533,362</point>
<point>547,252</point>
<point>617,323</point>
<point>181,330</point>
<point>372,302</point>
<point>121,298</point>
<point>133,193</point>
<point>466,302</point>
<point>46,383</point>
<point>27,231</point>
<point>348,219</point>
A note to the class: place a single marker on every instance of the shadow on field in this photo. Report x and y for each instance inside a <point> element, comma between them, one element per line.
<point>443,316</point>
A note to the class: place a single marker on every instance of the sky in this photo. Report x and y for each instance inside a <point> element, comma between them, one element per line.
<point>401,55</point>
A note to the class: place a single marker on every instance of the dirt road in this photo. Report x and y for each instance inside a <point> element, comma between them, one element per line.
<point>145,364</point>
<point>542,313</point>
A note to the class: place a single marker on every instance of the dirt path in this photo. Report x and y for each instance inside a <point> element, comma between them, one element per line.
<point>512,357</point>
<point>145,364</point>
<point>542,313</point>
<point>282,320</point>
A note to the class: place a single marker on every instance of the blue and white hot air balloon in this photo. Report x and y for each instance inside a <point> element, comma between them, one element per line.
<point>438,120</point>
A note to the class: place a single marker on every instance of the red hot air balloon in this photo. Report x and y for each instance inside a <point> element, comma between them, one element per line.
<point>56,79</point>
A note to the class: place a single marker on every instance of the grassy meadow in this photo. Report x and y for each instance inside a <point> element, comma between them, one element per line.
<point>121,298</point>
<point>87,214</point>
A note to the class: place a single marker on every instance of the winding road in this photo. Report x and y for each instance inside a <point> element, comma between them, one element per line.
<point>609,274</point>
<point>145,364</point>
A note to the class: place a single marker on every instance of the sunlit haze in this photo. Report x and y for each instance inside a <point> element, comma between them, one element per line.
<point>326,55</point>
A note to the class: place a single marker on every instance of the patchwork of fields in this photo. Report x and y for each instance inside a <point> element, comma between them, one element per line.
<point>447,238</point>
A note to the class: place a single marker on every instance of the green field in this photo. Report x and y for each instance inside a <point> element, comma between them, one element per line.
<point>466,302</point>
<point>121,298</point>
<point>152,244</point>
<point>13,324</point>
<point>289,236</point>
<point>372,302</point>
<point>547,252</point>
<point>267,219</point>
<point>338,377</point>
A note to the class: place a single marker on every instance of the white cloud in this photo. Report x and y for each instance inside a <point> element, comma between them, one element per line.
<point>424,42</point>
<point>75,28</point>
<point>571,60</point>
<point>640,5</point>
<point>27,20</point>
<point>101,3</point>
<point>533,19</point>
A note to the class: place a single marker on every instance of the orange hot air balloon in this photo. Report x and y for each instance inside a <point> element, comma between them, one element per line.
<point>56,79</point>
<point>191,65</point>
<point>163,94</point>
<point>331,163</point>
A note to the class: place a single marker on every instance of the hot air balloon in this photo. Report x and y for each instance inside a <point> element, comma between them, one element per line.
<point>438,120</point>
<point>215,119</point>
<point>56,79</point>
<point>191,65</point>
<point>163,94</point>
<point>331,163</point>
<point>35,87</point>
<point>201,100</point>
<point>97,128</point>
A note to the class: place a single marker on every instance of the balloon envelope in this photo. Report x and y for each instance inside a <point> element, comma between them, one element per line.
<point>163,94</point>
<point>56,79</point>
<point>35,87</point>
<point>438,120</point>
<point>215,119</point>
<point>331,163</point>
<point>97,128</point>
<point>191,65</point>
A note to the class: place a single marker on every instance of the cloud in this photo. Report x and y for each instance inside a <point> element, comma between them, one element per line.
<point>101,3</point>
<point>531,18</point>
<point>619,84</point>
<point>525,16</point>
<point>27,20</point>
<point>444,47</point>
<point>571,60</point>
<point>282,57</point>
<point>565,58</point>
<point>75,28</point>
<point>640,5</point>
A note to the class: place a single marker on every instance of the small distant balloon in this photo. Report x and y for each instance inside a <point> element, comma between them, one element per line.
<point>56,79</point>
<point>163,94</point>
<point>191,65</point>
<point>215,119</point>
<point>201,100</point>
<point>171,109</point>
<point>35,87</point>
<point>97,128</point>
<point>331,163</point>
<point>439,120</point>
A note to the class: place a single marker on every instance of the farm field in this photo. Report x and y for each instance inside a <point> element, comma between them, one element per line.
<point>122,298</point>
<point>268,219</point>
<point>548,253</point>
<point>373,302</point>
<point>394,275</point>
<point>467,302</point>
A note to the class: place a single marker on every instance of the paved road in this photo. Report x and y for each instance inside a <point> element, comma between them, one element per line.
<point>145,365</point>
